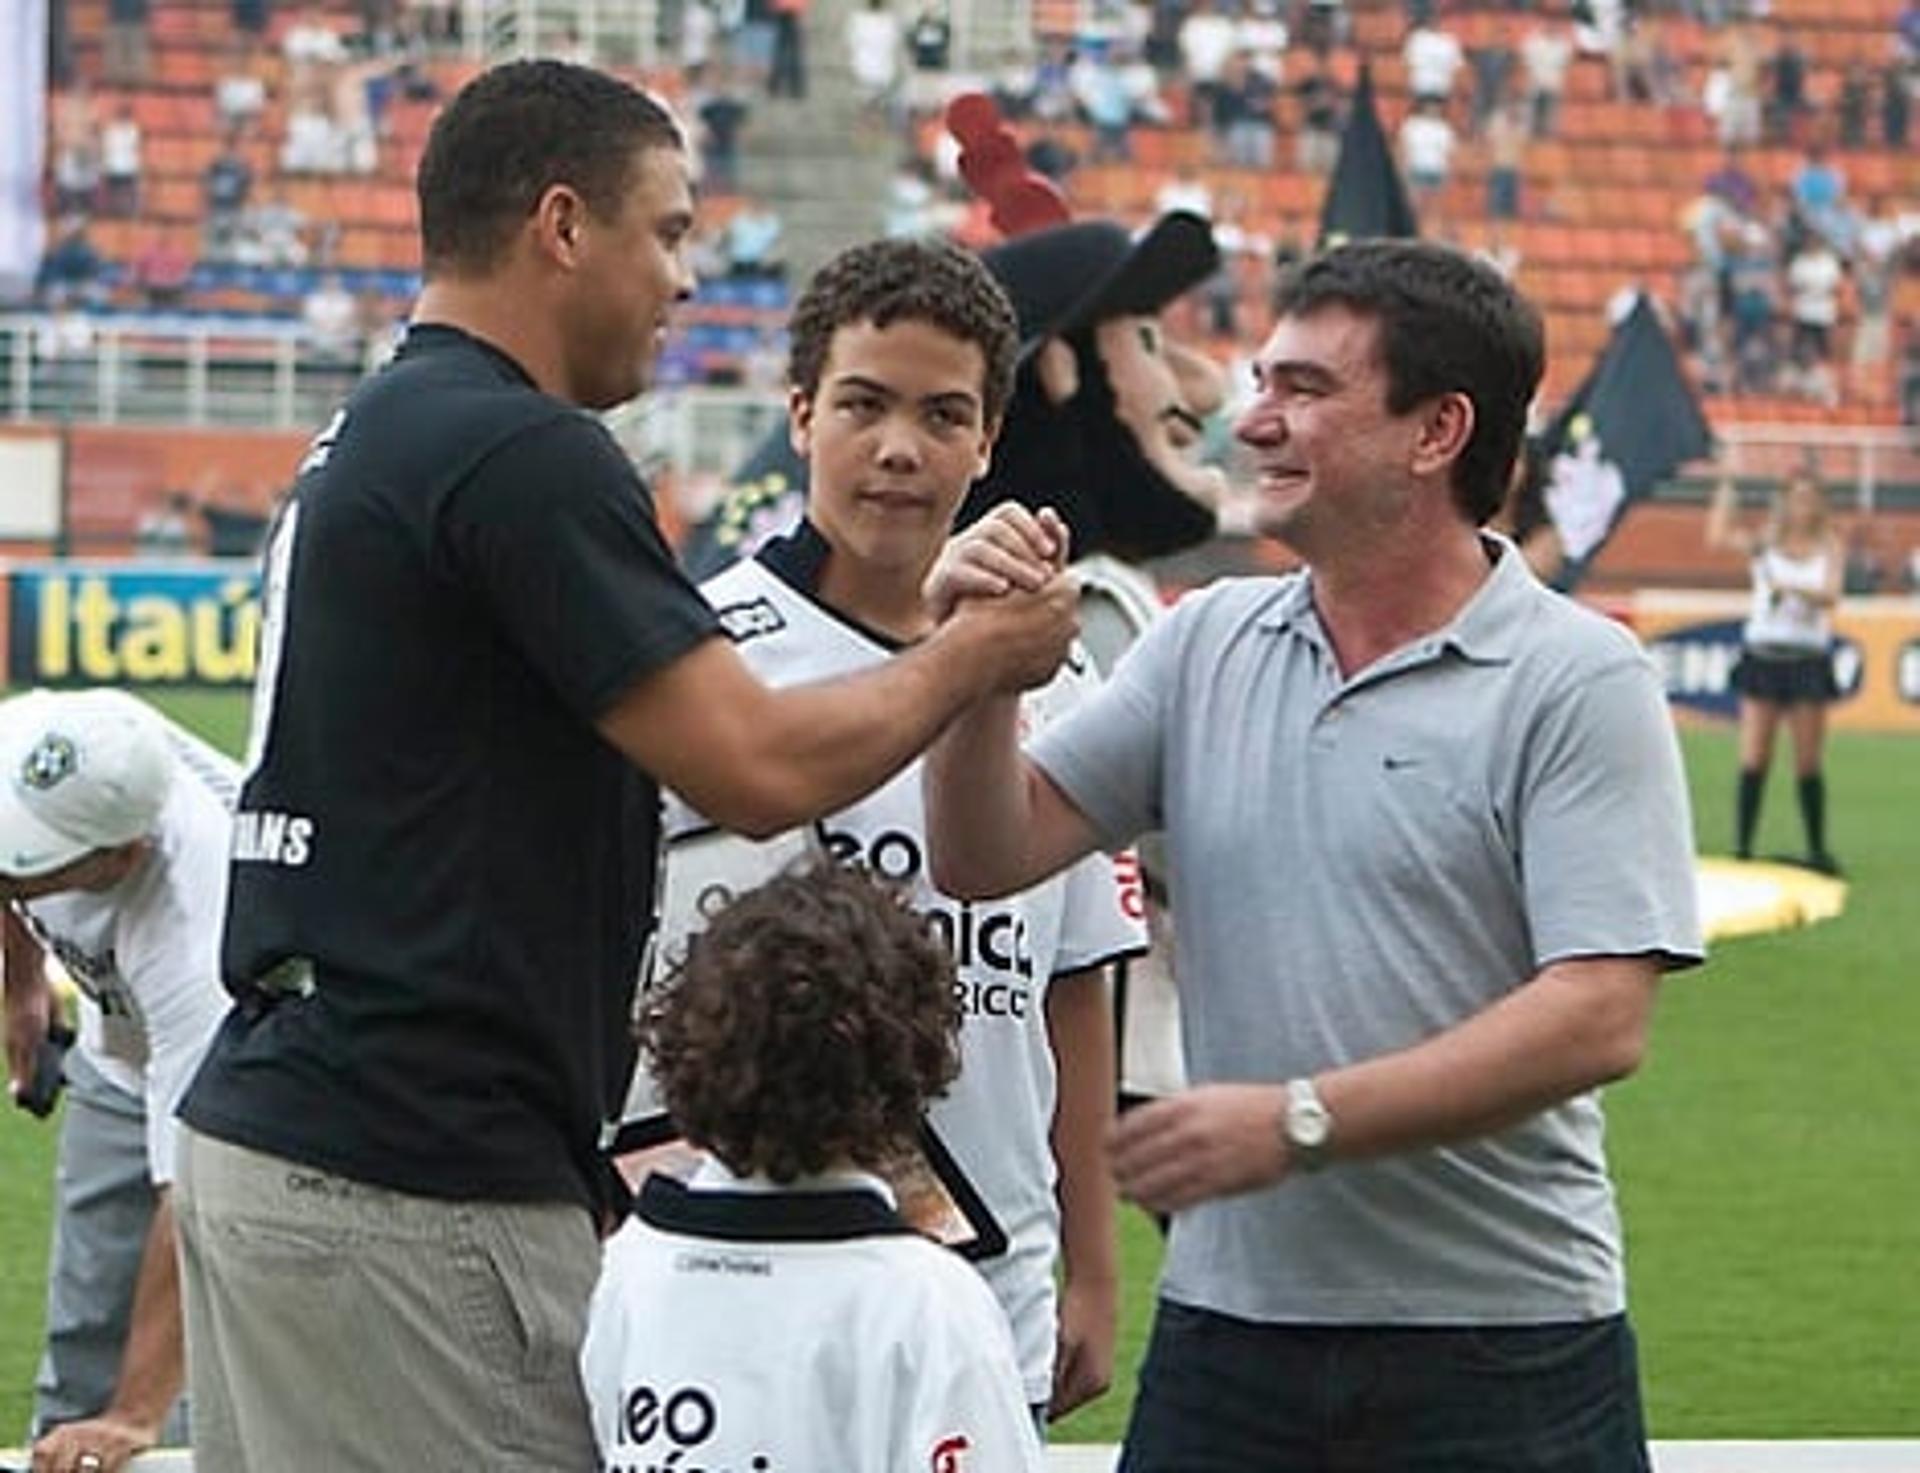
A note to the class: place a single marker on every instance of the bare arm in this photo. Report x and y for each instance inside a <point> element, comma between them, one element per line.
<point>1724,533</point>
<point>152,1367</point>
<point>760,761</point>
<point>29,1000</point>
<point>995,821</point>
<point>1080,1027</point>
<point>1576,1025</point>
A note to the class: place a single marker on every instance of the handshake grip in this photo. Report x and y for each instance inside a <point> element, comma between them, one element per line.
<point>41,1092</point>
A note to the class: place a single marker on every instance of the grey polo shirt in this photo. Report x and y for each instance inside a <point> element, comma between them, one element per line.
<point>1359,864</point>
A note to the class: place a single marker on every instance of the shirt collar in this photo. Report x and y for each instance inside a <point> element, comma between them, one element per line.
<point>1486,630</point>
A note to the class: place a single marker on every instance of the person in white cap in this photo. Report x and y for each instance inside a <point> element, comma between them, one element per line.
<point>114,827</point>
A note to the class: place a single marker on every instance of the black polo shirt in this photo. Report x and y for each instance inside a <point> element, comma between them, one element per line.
<point>442,876</point>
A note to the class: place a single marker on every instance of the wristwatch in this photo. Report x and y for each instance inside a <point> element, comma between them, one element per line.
<point>1307,1126</point>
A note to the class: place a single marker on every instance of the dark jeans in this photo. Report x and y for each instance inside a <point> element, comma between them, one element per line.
<point>1222,1395</point>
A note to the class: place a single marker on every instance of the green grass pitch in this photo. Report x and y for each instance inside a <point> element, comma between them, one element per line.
<point>1768,1154</point>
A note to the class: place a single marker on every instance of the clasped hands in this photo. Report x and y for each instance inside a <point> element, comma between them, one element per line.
<point>1007,572</point>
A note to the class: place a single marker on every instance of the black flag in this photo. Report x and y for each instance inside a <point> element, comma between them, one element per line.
<point>1367,197</point>
<point>1630,425</point>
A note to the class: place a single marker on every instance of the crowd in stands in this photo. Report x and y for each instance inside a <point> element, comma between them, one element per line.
<point>1781,280</point>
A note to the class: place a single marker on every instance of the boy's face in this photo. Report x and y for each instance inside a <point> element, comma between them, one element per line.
<point>893,436</point>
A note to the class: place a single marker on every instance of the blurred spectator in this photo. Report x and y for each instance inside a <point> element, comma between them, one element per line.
<point>1906,33</point>
<point>930,52</point>
<point>1052,97</point>
<point>71,270</point>
<point>1546,52</point>
<point>699,25</point>
<point>1426,148</point>
<point>166,529</point>
<point>272,233</point>
<point>787,77</point>
<point>1243,114</point>
<point>120,164</point>
<point>1732,183</point>
<point>125,57</point>
<point>1051,154</point>
<point>1753,271</point>
<point>1731,97</point>
<point>1896,105</point>
<point>1186,190</point>
<point>1500,251</point>
<point>1492,66</point>
<point>437,22</point>
<point>330,320</point>
<point>1433,57</point>
<point>1875,262</point>
<point>1142,85</point>
<point>67,375</point>
<point>722,110</point>
<point>162,271</point>
<point>1506,136</point>
<point>1787,94</point>
<point>76,150</point>
<point>310,41</point>
<point>1819,194</point>
<point>1207,39</point>
<point>1317,146</point>
<point>1814,278</point>
<point>227,184</point>
<point>239,93</point>
<point>1324,25</point>
<point>1910,374</point>
<point>250,18</point>
<point>911,196</point>
<point>1262,34</point>
<point>313,145</point>
<point>874,49</point>
<point>1856,99</point>
<point>753,242</point>
<point>1101,93</point>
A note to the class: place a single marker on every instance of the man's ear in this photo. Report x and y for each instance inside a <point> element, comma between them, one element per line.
<point>1444,433</point>
<point>800,421</point>
<point>1058,373</point>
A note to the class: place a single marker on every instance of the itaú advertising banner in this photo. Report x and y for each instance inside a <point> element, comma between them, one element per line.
<point>1695,639</point>
<point>134,623</point>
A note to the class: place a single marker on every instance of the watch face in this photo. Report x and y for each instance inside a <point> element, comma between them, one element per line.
<point>1308,1125</point>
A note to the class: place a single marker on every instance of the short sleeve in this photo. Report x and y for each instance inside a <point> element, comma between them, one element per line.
<point>555,533</point>
<point>1105,755</point>
<point>1606,839</point>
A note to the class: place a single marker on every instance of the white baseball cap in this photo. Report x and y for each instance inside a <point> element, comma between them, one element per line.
<point>79,771</point>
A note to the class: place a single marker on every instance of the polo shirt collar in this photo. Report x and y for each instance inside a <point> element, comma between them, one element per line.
<point>1487,630</point>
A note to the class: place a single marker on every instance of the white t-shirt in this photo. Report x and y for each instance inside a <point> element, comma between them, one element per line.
<point>1814,279</point>
<point>1432,57</point>
<point>1206,41</point>
<point>997,1118</point>
<point>1781,616</point>
<point>1426,145</point>
<point>873,48</point>
<point>147,952</point>
<point>740,1325</point>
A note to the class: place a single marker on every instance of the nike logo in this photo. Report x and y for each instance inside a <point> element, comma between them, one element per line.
<point>1399,764</point>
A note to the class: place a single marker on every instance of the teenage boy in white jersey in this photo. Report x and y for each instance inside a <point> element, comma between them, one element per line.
<point>807,1326</point>
<point>902,361</point>
<point>113,843</point>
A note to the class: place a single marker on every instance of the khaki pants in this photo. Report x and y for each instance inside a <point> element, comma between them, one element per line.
<point>333,1325</point>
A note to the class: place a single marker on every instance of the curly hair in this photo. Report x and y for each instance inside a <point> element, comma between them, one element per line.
<point>512,134</point>
<point>1447,323</point>
<point>910,279</point>
<point>810,1024</point>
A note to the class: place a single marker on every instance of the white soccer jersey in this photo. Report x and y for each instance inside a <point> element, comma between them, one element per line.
<point>147,952</point>
<point>740,1326</point>
<point>997,1118</point>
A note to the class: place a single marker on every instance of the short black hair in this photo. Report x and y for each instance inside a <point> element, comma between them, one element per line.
<point>910,279</point>
<point>812,1022</point>
<point>1448,323</point>
<point>513,133</point>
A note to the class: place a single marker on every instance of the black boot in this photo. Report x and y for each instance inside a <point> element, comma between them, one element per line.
<point>1813,813</point>
<point>1752,783</point>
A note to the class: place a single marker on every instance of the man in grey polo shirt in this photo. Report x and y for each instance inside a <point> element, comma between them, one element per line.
<point>1429,833</point>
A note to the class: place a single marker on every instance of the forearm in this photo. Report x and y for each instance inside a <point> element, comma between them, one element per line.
<point>153,1364</point>
<point>1080,1023</point>
<point>1567,1031</point>
<point>979,805</point>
